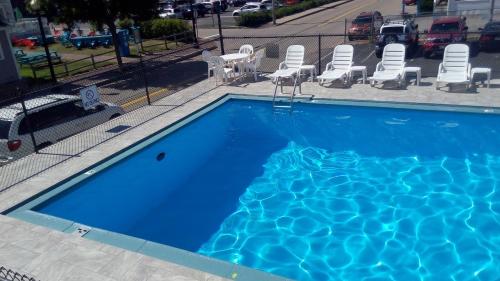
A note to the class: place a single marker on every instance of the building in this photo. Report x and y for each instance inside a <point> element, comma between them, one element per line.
<point>472,6</point>
<point>10,70</point>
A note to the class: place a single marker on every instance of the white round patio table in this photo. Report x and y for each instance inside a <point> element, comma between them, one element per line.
<point>234,57</point>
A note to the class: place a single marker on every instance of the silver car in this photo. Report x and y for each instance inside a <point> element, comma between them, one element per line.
<point>51,118</point>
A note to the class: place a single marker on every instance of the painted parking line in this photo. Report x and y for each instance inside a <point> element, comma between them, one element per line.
<point>143,98</point>
<point>346,14</point>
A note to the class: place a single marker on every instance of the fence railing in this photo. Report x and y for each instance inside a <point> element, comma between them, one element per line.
<point>67,68</point>
<point>7,274</point>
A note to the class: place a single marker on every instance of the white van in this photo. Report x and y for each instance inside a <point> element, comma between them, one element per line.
<point>52,118</point>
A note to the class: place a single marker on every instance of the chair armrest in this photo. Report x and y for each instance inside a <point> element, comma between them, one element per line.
<point>378,67</point>
<point>328,66</point>
<point>282,65</point>
<point>441,68</point>
<point>469,71</point>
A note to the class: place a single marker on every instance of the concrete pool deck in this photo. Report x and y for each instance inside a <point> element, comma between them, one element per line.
<point>53,255</point>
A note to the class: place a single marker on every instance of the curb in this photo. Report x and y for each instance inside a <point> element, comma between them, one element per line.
<point>315,12</point>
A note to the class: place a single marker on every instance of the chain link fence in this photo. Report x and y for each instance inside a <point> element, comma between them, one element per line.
<point>36,120</point>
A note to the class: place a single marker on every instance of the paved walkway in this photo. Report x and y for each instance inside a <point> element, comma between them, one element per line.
<point>51,255</point>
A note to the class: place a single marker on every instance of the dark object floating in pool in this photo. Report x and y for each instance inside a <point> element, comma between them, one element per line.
<point>118,129</point>
<point>160,156</point>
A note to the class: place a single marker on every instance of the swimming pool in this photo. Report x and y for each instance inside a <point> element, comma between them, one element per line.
<point>329,192</point>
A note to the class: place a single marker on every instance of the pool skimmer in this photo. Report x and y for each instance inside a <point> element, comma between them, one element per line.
<point>81,230</point>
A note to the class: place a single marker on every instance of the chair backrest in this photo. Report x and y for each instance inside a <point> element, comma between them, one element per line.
<point>206,55</point>
<point>342,57</point>
<point>258,57</point>
<point>456,58</point>
<point>394,57</point>
<point>246,49</point>
<point>294,56</point>
<point>218,64</point>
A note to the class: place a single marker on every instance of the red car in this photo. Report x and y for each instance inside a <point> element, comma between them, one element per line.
<point>364,25</point>
<point>443,32</point>
<point>410,2</point>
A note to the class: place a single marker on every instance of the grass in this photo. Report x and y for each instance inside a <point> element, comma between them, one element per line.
<point>74,68</point>
<point>59,48</point>
<point>155,45</point>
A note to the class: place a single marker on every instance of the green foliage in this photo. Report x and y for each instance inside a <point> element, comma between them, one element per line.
<point>426,6</point>
<point>163,27</point>
<point>125,23</point>
<point>256,19</point>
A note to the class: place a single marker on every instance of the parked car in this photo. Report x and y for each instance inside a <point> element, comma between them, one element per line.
<point>410,2</point>
<point>364,25</point>
<point>404,32</point>
<point>171,13</point>
<point>443,32</point>
<point>490,37</point>
<point>199,8</point>
<point>237,3</point>
<point>52,118</point>
<point>211,4</point>
<point>269,4</point>
<point>249,8</point>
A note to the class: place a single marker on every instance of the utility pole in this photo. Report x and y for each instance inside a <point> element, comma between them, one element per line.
<point>492,11</point>
<point>402,7</point>
<point>272,12</point>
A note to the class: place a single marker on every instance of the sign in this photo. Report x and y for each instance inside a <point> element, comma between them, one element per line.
<point>90,97</point>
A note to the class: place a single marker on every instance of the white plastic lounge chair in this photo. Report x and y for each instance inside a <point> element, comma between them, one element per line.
<point>254,63</point>
<point>246,49</point>
<point>220,71</point>
<point>455,68</point>
<point>206,55</point>
<point>340,66</point>
<point>290,68</point>
<point>392,66</point>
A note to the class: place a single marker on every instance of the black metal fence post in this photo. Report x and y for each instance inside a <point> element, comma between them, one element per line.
<point>345,30</point>
<point>319,54</point>
<point>220,29</point>
<point>28,119</point>
<point>145,76</point>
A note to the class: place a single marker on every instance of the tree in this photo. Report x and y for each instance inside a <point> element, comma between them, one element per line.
<point>101,12</point>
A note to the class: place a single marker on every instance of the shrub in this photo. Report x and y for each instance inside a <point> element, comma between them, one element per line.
<point>163,27</point>
<point>426,6</point>
<point>125,23</point>
<point>254,19</point>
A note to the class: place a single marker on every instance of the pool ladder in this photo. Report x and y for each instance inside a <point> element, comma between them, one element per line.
<point>279,80</point>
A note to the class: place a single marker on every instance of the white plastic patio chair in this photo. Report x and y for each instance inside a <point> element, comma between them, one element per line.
<point>455,68</point>
<point>340,66</point>
<point>290,68</point>
<point>392,66</point>
<point>254,63</point>
<point>220,69</point>
<point>206,55</point>
<point>246,49</point>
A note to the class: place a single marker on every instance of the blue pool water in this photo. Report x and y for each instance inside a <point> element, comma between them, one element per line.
<point>326,193</point>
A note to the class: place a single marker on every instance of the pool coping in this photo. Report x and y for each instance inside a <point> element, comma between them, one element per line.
<point>215,96</point>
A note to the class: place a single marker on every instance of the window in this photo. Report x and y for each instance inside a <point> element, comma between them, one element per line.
<point>393,30</point>
<point>52,116</point>
<point>445,27</point>
<point>4,129</point>
<point>362,20</point>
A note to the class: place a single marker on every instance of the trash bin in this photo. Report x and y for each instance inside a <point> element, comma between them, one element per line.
<point>136,32</point>
<point>123,47</point>
<point>272,51</point>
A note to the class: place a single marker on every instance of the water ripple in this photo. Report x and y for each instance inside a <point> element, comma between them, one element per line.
<point>318,215</point>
